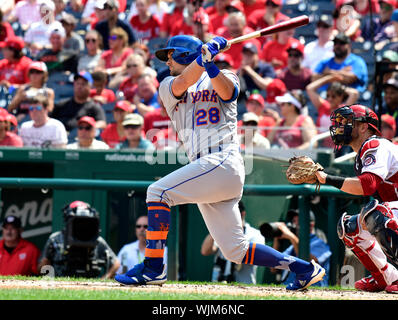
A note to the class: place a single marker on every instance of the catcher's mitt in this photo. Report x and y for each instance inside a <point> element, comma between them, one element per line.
<point>302,169</point>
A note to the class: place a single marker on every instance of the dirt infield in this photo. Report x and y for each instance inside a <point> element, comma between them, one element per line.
<point>233,290</point>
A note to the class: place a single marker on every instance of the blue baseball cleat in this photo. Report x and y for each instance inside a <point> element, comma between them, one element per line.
<point>304,280</point>
<point>142,274</point>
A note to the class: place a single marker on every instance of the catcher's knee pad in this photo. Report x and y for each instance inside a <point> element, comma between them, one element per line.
<point>348,229</point>
<point>382,224</point>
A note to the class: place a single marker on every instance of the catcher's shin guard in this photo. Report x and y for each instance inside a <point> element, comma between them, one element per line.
<point>382,224</point>
<point>366,248</point>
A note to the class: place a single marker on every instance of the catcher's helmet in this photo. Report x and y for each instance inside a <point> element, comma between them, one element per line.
<point>343,122</point>
<point>186,49</point>
<point>79,208</point>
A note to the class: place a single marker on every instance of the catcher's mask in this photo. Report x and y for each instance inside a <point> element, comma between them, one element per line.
<point>343,121</point>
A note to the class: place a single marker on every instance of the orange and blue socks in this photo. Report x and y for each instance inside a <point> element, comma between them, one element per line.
<point>156,235</point>
<point>263,255</point>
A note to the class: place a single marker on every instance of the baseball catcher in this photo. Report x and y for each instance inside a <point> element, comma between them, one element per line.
<point>372,234</point>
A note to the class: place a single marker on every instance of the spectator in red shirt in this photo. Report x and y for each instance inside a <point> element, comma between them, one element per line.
<point>114,133</point>
<point>300,128</point>
<point>111,60</point>
<point>8,138</point>
<point>6,31</point>
<point>17,255</point>
<point>155,121</point>
<point>249,6</point>
<point>174,22</point>
<point>145,25</point>
<point>274,51</point>
<point>100,93</point>
<point>127,80</point>
<point>255,104</point>
<point>266,17</point>
<point>235,26</point>
<point>14,67</point>
<point>295,76</point>
<point>219,12</point>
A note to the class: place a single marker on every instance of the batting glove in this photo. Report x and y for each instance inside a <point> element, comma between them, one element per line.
<point>212,48</point>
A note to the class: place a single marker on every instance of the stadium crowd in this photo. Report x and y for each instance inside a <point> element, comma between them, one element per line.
<point>62,60</point>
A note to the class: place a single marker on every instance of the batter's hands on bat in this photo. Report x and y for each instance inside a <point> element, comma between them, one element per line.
<point>212,48</point>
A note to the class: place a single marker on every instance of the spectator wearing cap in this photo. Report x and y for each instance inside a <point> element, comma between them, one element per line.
<point>381,29</point>
<point>349,66</point>
<point>56,57</point>
<point>145,25</point>
<point>390,98</point>
<point>7,137</point>
<point>69,110</point>
<point>6,31</point>
<point>37,37</point>
<point>346,20</point>
<point>299,128</point>
<point>235,26</point>
<point>390,61</point>
<point>250,138</point>
<point>266,16</point>
<point>201,26</point>
<point>295,76</point>
<point>388,128</point>
<point>14,67</point>
<point>38,76</point>
<point>110,8</point>
<point>322,47</point>
<point>17,255</point>
<point>25,13</point>
<point>337,95</point>
<point>99,92</point>
<point>132,125</point>
<point>73,41</point>
<point>90,13</point>
<point>274,51</point>
<point>111,60</point>
<point>114,134</point>
<point>255,104</point>
<point>88,61</point>
<point>42,131</point>
<point>146,98</point>
<point>254,74</point>
<point>86,132</point>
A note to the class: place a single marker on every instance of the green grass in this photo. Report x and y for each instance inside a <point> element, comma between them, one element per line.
<point>123,293</point>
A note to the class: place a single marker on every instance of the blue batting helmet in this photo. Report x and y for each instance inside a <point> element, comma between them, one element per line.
<point>186,49</point>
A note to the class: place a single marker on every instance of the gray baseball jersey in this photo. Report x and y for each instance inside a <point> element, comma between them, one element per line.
<point>200,117</point>
<point>214,181</point>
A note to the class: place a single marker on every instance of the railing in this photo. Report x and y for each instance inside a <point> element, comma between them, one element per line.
<point>303,191</point>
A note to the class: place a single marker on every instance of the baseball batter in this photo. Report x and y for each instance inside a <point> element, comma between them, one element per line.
<point>201,103</point>
<point>372,234</point>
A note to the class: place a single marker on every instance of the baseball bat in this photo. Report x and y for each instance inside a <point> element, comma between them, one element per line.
<point>281,26</point>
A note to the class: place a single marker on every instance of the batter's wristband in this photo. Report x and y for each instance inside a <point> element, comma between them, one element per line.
<point>335,181</point>
<point>211,69</point>
<point>199,60</point>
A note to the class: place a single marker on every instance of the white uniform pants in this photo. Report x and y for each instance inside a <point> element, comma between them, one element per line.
<point>215,182</point>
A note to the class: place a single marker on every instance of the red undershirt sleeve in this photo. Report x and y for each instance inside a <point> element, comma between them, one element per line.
<point>369,183</point>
